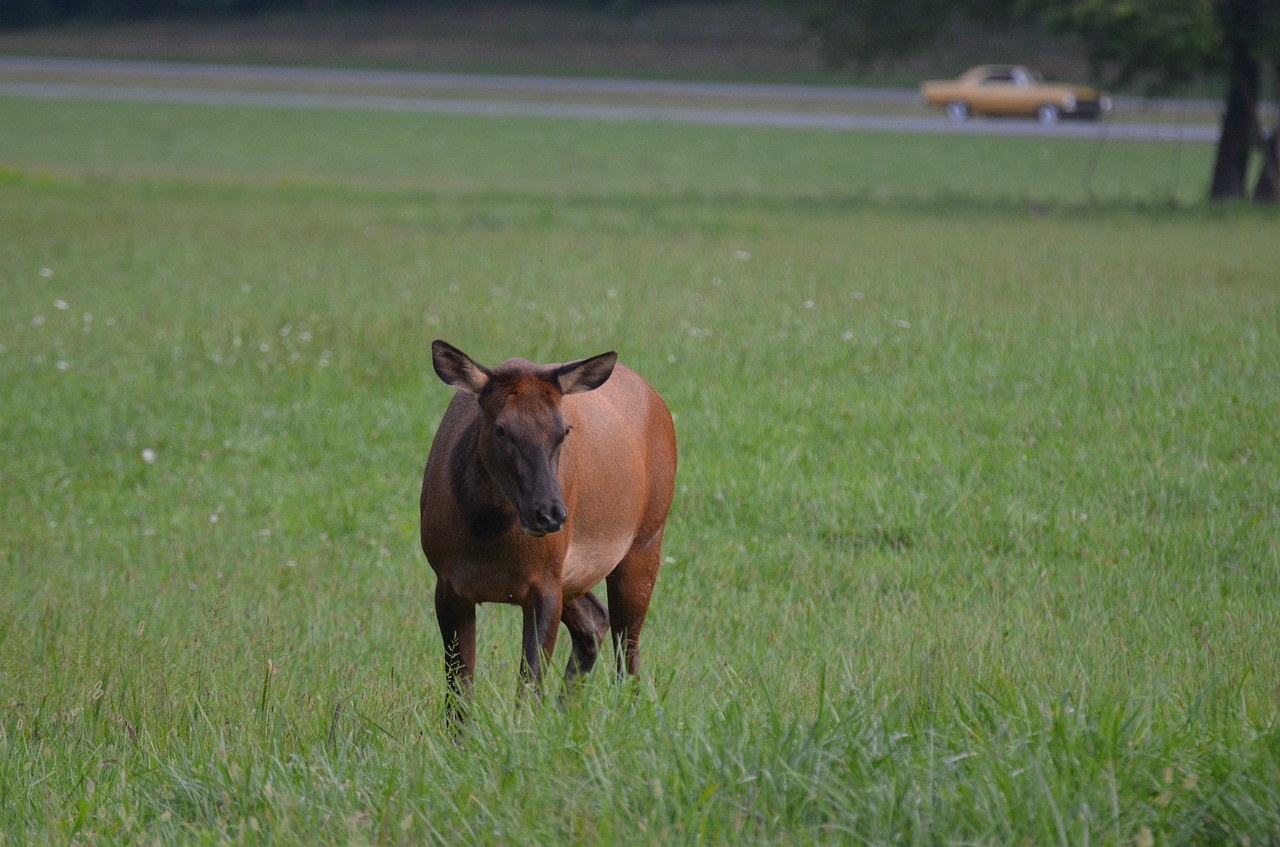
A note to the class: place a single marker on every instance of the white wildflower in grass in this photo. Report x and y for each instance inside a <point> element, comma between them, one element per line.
<point>903,324</point>
<point>246,288</point>
<point>847,335</point>
<point>46,272</point>
<point>742,255</point>
<point>611,293</point>
<point>809,304</point>
<point>64,365</point>
<point>61,305</point>
<point>858,295</point>
<point>213,519</point>
<point>148,455</point>
<point>38,320</point>
<point>264,347</point>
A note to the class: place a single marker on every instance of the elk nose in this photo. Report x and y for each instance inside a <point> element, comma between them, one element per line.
<point>550,517</point>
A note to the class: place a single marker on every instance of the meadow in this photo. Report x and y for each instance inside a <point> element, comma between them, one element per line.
<point>974,539</point>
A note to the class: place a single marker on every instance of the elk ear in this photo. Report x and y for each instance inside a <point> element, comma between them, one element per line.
<point>457,369</point>
<point>586,374</point>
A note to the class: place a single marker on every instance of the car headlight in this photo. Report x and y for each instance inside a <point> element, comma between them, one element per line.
<point>1069,102</point>
<point>1104,104</point>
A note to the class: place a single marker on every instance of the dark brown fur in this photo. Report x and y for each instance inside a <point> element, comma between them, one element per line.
<point>542,481</point>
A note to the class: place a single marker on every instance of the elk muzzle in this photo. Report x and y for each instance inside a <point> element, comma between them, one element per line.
<point>545,517</point>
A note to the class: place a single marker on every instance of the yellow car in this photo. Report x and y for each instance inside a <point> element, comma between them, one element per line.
<point>1014,90</point>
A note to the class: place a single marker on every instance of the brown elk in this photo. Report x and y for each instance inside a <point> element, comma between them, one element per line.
<point>542,481</point>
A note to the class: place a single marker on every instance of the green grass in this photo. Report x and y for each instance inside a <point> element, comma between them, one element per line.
<point>974,539</point>
<point>614,163</point>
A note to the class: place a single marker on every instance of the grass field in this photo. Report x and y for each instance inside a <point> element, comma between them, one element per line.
<point>975,532</point>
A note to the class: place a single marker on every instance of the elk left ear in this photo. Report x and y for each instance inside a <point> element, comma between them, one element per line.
<point>457,368</point>
<point>586,374</point>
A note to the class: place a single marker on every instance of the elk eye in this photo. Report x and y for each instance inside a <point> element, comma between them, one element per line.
<point>567,430</point>
<point>501,432</point>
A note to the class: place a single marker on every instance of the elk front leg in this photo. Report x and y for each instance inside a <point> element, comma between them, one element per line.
<point>541,626</point>
<point>457,620</point>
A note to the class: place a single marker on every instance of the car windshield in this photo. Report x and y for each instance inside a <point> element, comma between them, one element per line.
<point>1011,75</point>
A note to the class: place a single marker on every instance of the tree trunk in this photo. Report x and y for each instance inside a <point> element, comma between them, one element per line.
<point>1239,121</point>
<point>1267,189</point>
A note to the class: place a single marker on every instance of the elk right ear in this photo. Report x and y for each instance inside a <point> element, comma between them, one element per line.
<point>457,368</point>
<point>586,374</point>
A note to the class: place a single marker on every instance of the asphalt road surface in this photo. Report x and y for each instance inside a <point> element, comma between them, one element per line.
<point>834,109</point>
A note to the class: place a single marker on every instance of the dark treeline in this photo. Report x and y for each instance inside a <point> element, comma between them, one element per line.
<point>32,12</point>
<point>23,13</point>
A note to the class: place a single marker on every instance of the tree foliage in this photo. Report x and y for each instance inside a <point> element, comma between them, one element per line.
<point>864,33</point>
<point>1169,41</point>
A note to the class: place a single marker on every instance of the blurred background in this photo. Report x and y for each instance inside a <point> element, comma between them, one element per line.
<point>1217,56</point>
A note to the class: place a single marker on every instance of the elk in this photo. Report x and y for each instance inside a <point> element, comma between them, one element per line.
<point>542,481</point>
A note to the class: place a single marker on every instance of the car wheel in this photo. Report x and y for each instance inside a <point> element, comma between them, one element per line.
<point>958,112</point>
<point>1048,114</point>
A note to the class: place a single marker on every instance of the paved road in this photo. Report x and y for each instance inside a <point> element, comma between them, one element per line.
<point>732,104</point>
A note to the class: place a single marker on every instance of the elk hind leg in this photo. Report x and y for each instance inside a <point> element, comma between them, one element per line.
<point>587,620</point>
<point>630,588</point>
